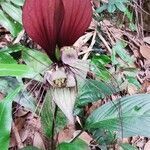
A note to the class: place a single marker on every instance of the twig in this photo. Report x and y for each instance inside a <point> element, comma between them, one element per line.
<point>130,38</point>
<point>90,47</point>
<point>141,19</point>
<point>139,7</point>
<point>109,36</point>
<point>105,43</point>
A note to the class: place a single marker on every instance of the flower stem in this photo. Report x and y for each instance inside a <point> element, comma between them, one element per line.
<point>53,127</point>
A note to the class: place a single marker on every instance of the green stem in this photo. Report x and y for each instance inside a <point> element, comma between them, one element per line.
<point>53,127</point>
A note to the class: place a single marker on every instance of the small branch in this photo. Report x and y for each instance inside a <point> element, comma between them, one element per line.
<point>105,43</point>
<point>85,57</point>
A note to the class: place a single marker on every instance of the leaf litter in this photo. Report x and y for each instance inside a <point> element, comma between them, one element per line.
<point>28,124</point>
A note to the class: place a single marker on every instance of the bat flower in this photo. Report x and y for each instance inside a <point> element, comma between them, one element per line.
<point>56,22</point>
<point>60,23</point>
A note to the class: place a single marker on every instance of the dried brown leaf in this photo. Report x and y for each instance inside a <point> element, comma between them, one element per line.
<point>86,137</point>
<point>147,40</point>
<point>38,141</point>
<point>145,51</point>
<point>147,146</point>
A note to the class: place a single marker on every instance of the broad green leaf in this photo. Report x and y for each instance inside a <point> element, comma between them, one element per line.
<point>6,118</point>
<point>18,2</point>
<point>37,60</point>
<point>30,148</point>
<point>7,23</point>
<point>128,116</point>
<point>47,117</point>
<point>6,58</point>
<point>2,1</point>
<point>12,11</point>
<point>14,70</point>
<point>18,70</point>
<point>126,146</point>
<point>14,48</point>
<point>104,138</point>
<point>94,90</point>
<point>78,144</point>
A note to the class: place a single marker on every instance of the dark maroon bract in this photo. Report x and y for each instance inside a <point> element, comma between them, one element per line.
<point>56,22</point>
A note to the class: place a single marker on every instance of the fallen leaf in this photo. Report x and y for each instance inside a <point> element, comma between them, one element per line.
<point>132,89</point>
<point>66,134</point>
<point>86,137</point>
<point>38,141</point>
<point>145,51</point>
<point>147,146</point>
<point>147,40</point>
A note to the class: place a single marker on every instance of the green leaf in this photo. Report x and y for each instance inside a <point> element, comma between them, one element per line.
<point>133,26</point>
<point>102,8</point>
<point>94,90</point>
<point>129,15</point>
<point>98,66</point>
<point>14,70</point>
<point>134,81</point>
<point>121,6</point>
<point>37,60</point>
<point>30,148</point>
<point>128,116</point>
<point>18,2</point>
<point>14,48</point>
<point>78,144</point>
<point>104,138</point>
<point>7,23</point>
<point>6,58</point>
<point>26,100</point>
<point>113,58</point>
<point>126,146</point>
<point>101,59</point>
<point>47,117</point>
<point>12,11</point>
<point>8,84</point>
<point>6,118</point>
<point>119,49</point>
<point>111,8</point>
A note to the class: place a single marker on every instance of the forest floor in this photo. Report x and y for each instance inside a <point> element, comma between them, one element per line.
<point>26,127</point>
